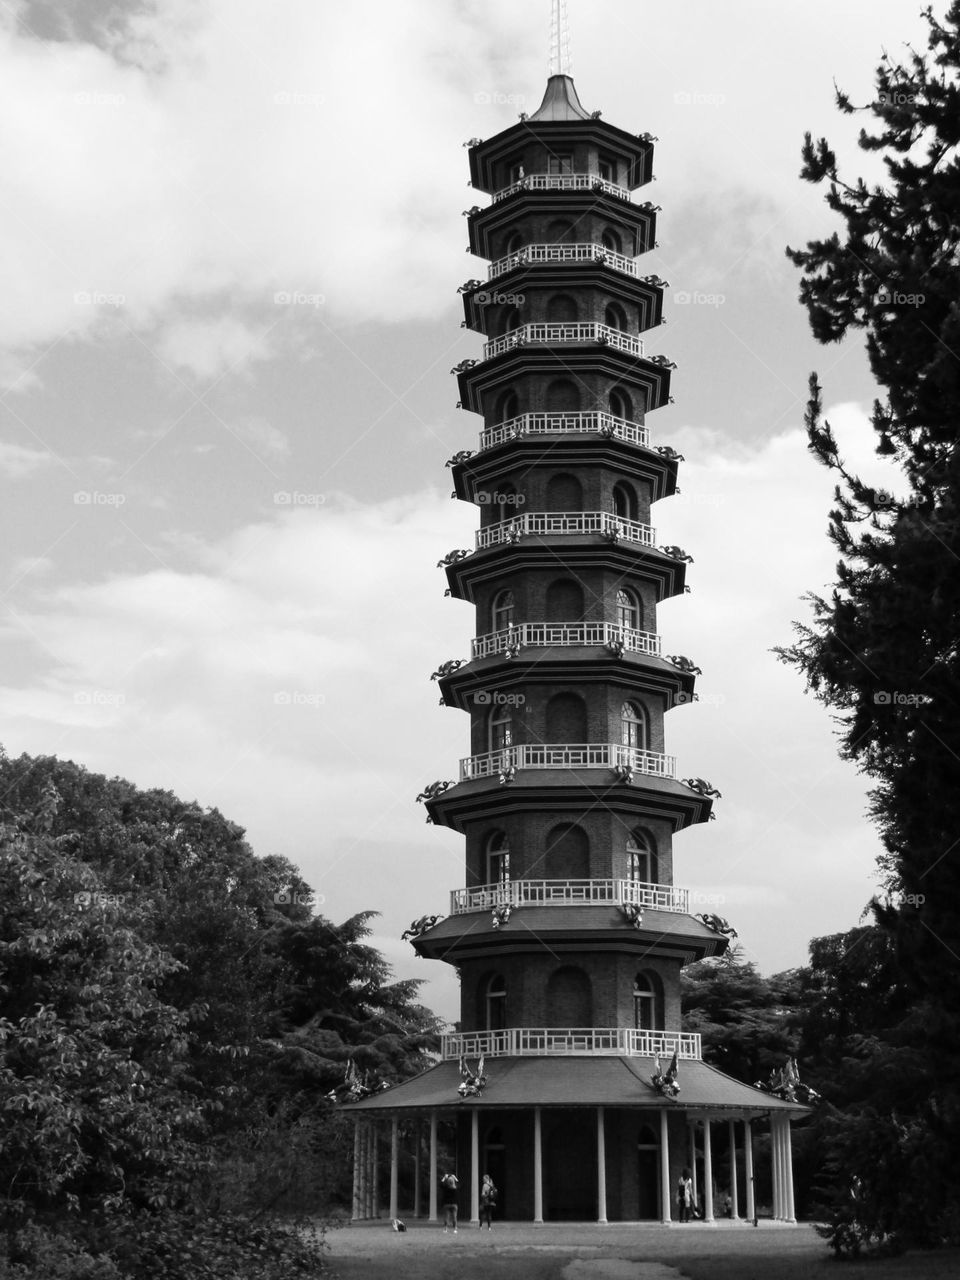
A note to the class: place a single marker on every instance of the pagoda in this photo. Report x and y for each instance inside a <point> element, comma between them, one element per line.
<point>568,1079</point>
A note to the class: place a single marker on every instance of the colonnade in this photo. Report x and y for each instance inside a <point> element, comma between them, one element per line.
<point>366,1166</point>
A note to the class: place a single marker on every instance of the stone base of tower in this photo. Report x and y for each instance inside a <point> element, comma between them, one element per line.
<point>612,1150</point>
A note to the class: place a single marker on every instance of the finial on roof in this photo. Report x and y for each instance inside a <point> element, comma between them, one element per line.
<point>560,64</point>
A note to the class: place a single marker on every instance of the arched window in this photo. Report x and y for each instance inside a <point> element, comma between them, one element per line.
<point>560,232</point>
<point>508,406</point>
<point>563,396</point>
<point>566,853</point>
<point>644,1003</point>
<point>501,611</point>
<point>628,610</point>
<point>615,316</point>
<point>513,244</point>
<point>633,725</point>
<point>569,998</point>
<point>625,502</point>
<point>621,405</point>
<point>611,240</point>
<point>497,870</point>
<point>496,1003</point>
<point>500,728</point>
<point>564,600</point>
<point>566,718</point>
<point>508,320</point>
<point>639,858</point>
<point>561,309</point>
<point>564,493</point>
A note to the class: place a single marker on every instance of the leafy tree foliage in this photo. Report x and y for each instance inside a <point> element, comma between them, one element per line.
<point>173,1020</point>
<point>882,650</point>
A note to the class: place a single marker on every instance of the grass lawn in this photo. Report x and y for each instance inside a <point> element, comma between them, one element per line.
<point>615,1252</point>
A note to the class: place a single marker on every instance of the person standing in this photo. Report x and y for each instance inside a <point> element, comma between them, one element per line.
<point>685,1194</point>
<point>488,1201</point>
<point>451,1205</point>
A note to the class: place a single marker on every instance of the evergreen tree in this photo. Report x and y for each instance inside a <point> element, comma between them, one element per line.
<point>883,650</point>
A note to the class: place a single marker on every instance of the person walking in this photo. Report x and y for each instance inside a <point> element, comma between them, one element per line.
<point>488,1201</point>
<point>451,1205</point>
<point>685,1194</point>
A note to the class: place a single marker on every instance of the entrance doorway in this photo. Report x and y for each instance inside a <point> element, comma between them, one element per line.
<point>648,1176</point>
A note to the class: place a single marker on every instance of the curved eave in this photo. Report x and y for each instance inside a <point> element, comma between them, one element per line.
<point>637,220</point>
<point>562,275</point>
<point>586,665</point>
<point>634,460</point>
<point>555,790</point>
<point>532,930</point>
<point>579,1081</point>
<point>592,357</point>
<point>553,134</point>
<point>590,552</point>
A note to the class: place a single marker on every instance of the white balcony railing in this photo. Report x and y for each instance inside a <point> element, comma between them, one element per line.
<point>519,1042</point>
<point>544,424</point>
<point>551,335</point>
<point>563,634</point>
<point>583,252</point>
<point>563,182</point>
<point>566,893</point>
<point>549,523</point>
<point>565,755</point>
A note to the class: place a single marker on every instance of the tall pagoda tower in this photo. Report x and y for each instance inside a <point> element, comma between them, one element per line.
<point>569,933</point>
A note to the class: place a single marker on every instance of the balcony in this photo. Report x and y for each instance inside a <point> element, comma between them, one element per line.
<point>584,252</point>
<point>564,755</point>
<point>563,182</point>
<point>561,634</point>
<point>569,893</point>
<point>548,424</point>
<point>539,1042</point>
<point>551,523</point>
<point>552,335</point>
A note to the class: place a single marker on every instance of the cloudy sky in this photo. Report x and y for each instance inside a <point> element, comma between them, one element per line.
<point>231,244</point>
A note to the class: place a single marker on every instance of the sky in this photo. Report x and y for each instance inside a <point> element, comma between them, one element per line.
<point>232,237</point>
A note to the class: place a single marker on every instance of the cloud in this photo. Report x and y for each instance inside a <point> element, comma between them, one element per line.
<point>18,462</point>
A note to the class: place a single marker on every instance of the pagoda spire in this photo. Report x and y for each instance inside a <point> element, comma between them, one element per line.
<point>559,63</point>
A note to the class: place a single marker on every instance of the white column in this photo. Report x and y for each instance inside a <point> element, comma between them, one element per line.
<point>776,1169</point>
<point>537,1167</point>
<point>417,1145</point>
<point>735,1211</point>
<point>707,1173</point>
<point>693,1160</point>
<point>394,1161</point>
<point>748,1170</point>
<point>601,1167</point>
<point>432,1208</point>
<point>355,1213</point>
<point>375,1173</point>
<point>788,1208</point>
<point>365,1167</point>
<point>474,1164</point>
<point>664,1168</point>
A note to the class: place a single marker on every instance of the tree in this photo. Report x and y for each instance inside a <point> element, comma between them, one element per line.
<point>882,651</point>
